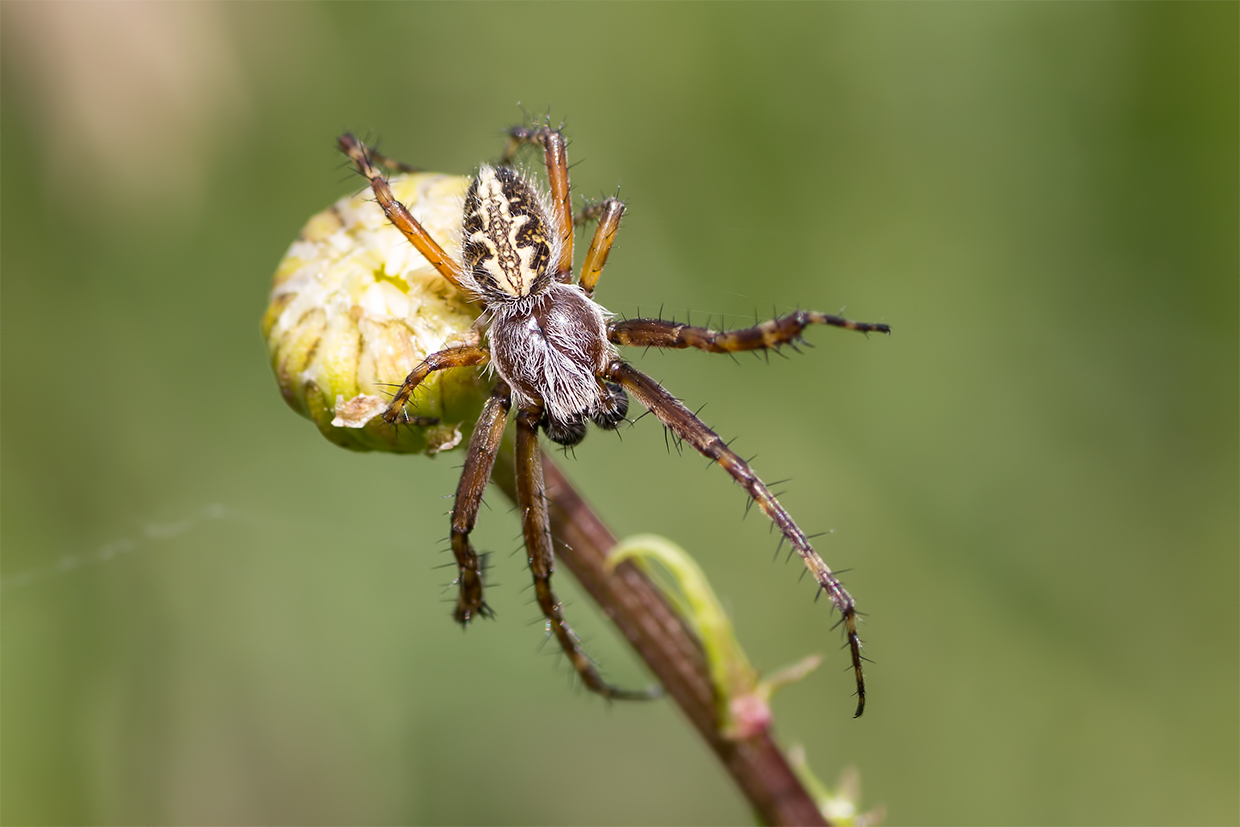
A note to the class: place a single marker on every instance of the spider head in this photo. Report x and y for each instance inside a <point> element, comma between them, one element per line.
<point>506,244</point>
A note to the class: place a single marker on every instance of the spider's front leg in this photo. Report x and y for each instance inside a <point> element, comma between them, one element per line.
<point>536,527</point>
<point>779,331</point>
<point>390,163</point>
<point>608,213</point>
<point>684,424</point>
<point>398,214</point>
<point>453,357</point>
<point>479,461</point>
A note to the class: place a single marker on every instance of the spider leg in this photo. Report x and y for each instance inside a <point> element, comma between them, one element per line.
<point>591,211</point>
<point>682,423</point>
<point>390,163</point>
<point>535,525</point>
<point>398,214</point>
<point>608,213</point>
<point>483,446</point>
<point>779,331</point>
<point>555,155</point>
<point>453,357</point>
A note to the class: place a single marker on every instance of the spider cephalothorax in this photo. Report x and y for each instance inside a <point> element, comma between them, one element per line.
<point>554,352</point>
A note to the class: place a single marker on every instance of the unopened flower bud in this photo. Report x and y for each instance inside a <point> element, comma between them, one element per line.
<point>354,307</point>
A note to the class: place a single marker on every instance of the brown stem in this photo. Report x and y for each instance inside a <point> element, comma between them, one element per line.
<point>670,650</point>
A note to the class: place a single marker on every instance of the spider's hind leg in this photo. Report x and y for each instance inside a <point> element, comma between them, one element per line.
<point>536,527</point>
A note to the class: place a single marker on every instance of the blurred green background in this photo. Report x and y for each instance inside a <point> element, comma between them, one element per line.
<point>212,615</point>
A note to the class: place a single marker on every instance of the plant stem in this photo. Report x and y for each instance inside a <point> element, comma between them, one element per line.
<point>660,638</point>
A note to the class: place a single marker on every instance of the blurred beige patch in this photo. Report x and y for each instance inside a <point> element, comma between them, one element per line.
<point>131,98</point>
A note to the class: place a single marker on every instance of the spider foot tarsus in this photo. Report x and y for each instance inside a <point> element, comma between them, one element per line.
<point>842,600</point>
<point>854,649</point>
<point>469,582</point>
<point>414,421</point>
<point>469,601</point>
<point>453,357</point>
<point>387,161</point>
<point>596,210</point>
<point>399,415</point>
<point>464,616</point>
<point>581,662</point>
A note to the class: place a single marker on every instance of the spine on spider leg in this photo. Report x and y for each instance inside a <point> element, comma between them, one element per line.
<point>682,422</point>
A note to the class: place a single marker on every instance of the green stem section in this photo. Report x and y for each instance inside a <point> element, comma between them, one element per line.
<point>742,697</point>
<point>661,638</point>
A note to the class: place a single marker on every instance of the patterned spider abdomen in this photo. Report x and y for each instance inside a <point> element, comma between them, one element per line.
<point>506,245</point>
<point>354,307</point>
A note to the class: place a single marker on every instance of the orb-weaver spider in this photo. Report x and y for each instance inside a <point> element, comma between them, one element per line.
<point>553,351</point>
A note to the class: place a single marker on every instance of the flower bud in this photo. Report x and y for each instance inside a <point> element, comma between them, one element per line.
<point>354,307</point>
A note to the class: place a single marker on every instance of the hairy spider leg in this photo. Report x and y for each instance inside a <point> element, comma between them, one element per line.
<point>536,527</point>
<point>592,211</point>
<point>479,461</point>
<point>453,357</point>
<point>555,155</point>
<point>608,212</point>
<point>390,163</point>
<point>769,334</point>
<point>398,214</point>
<point>682,422</point>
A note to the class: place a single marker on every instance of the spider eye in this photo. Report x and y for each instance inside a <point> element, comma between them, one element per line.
<point>506,246</point>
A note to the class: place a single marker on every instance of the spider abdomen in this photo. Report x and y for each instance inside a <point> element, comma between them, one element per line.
<point>506,243</point>
<point>550,350</point>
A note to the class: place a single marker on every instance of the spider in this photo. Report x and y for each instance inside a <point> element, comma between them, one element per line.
<point>553,351</point>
